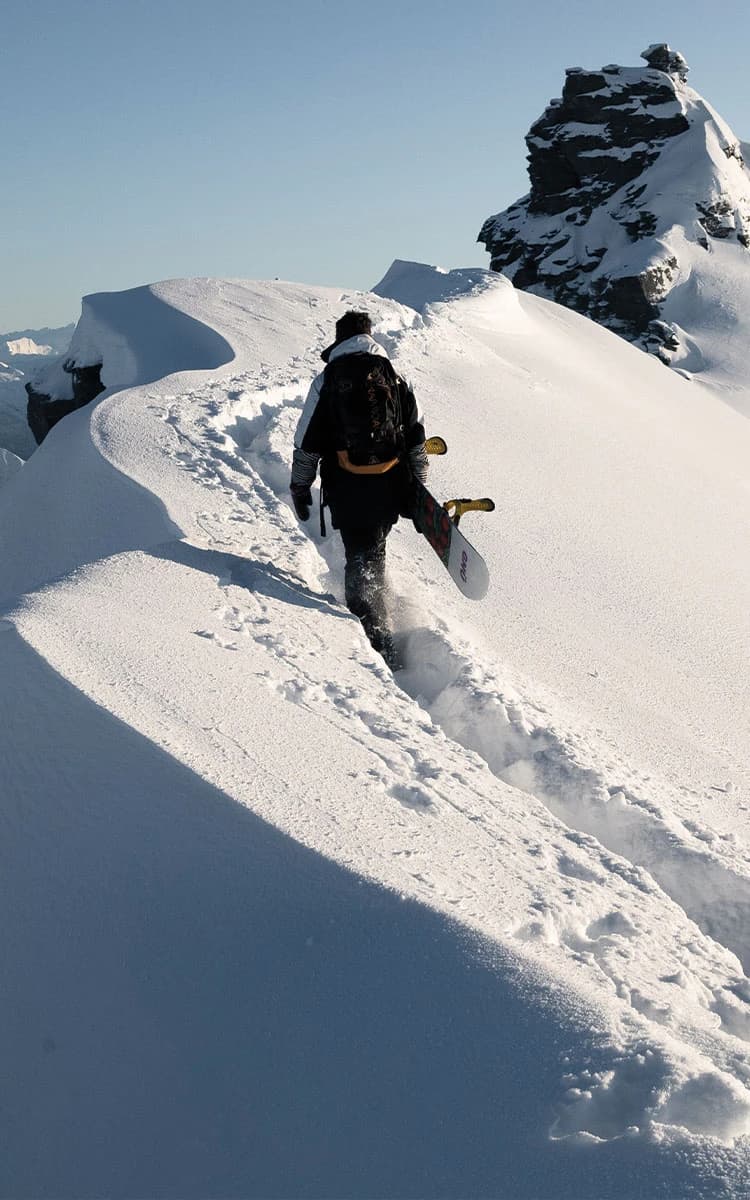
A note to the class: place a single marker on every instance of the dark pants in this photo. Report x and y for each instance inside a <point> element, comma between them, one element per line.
<point>364,584</point>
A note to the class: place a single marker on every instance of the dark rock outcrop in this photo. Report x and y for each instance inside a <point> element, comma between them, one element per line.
<point>661,57</point>
<point>44,411</point>
<point>593,231</point>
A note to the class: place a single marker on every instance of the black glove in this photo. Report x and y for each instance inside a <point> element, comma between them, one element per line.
<point>302,501</point>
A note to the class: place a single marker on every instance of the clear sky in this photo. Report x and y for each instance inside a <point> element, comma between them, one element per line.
<point>314,140</point>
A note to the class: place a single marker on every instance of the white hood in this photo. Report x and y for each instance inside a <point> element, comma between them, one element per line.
<point>361,343</point>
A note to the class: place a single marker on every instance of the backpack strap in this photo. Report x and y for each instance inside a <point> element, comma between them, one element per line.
<point>323,530</point>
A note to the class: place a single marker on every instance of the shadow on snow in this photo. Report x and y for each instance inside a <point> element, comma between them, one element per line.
<point>196,1005</point>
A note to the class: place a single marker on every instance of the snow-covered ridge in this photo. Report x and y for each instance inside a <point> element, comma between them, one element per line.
<point>638,216</point>
<point>283,874</point>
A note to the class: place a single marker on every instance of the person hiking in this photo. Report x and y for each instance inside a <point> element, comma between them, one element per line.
<point>361,424</point>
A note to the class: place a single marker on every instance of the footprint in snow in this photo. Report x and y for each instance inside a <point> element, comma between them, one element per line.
<point>569,866</point>
<point>411,797</point>
<point>614,923</point>
<point>212,637</point>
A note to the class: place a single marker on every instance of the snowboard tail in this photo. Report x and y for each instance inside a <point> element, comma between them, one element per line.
<point>464,564</point>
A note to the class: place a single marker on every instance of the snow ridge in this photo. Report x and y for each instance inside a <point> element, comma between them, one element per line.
<point>461,790</point>
<point>630,833</point>
<point>619,833</point>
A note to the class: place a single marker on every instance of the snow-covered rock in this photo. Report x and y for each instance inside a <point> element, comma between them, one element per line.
<point>277,923</point>
<point>638,216</point>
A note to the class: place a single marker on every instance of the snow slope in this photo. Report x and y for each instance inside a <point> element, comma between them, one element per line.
<point>282,925</point>
<point>15,435</point>
<point>9,464</point>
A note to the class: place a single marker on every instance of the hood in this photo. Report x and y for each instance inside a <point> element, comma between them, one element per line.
<point>361,343</point>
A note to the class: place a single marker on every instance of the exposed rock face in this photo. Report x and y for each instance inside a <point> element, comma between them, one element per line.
<point>625,159</point>
<point>662,57</point>
<point>46,410</point>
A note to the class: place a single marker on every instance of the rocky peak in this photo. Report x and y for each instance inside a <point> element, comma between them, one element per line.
<point>626,157</point>
<point>662,57</point>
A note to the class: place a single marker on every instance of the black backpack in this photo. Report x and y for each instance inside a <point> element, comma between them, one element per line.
<point>364,404</point>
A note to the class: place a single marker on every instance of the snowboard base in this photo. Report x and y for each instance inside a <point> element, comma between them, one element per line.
<point>464,564</point>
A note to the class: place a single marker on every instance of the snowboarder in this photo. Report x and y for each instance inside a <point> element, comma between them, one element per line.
<point>360,422</point>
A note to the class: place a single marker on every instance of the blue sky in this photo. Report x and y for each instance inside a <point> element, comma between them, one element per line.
<point>316,141</point>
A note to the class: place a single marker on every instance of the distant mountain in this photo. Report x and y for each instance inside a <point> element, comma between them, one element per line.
<point>27,345</point>
<point>22,353</point>
<point>36,341</point>
<point>639,217</point>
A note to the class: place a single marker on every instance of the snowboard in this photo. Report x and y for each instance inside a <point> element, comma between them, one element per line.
<point>464,564</point>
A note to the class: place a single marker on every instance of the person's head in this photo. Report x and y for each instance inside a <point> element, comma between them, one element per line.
<point>351,324</point>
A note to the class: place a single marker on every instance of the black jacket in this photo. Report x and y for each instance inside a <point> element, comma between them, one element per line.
<point>357,501</point>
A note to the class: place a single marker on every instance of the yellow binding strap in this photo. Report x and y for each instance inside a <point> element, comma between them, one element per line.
<point>463,506</point>
<point>369,469</point>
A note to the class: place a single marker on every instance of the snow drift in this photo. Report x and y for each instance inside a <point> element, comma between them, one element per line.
<point>281,924</point>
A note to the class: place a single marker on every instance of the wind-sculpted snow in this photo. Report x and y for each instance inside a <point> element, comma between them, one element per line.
<point>417,285</point>
<point>307,929</point>
<point>93,510</point>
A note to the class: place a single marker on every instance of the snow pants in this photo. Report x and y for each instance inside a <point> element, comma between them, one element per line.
<point>364,584</point>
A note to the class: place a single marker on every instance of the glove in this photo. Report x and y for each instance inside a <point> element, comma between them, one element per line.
<point>302,501</point>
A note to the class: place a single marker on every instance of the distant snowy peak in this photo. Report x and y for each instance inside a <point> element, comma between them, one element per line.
<point>632,174</point>
<point>37,343</point>
<point>26,345</point>
<point>25,350</point>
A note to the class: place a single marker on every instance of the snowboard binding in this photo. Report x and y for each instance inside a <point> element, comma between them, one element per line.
<point>437,445</point>
<point>459,507</point>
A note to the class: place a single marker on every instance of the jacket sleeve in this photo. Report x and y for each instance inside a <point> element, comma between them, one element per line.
<point>308,445</point>
<point>414,432</point>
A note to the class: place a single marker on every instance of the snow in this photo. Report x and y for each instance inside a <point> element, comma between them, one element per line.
<point>9,464</point>
<point>277,923</point>
<point>14,430</point>
<point>28,346</point>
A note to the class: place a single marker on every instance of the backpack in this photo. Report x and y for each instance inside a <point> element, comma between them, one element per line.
<point>364,404</point>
